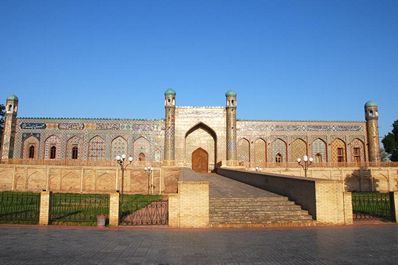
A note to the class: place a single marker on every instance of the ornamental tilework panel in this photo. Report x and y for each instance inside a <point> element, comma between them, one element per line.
<point>96,149</point>
<point>28,143</point>
<point>142,149</point>
<point>244,150</point>
<point>319,151</point>
<point>119,147</point>
<point>298,149</point>
<point>157,155</point>
<point>357,151</point>
<point>339,153</point>
<point>260,152</point>
<point>52,141</point>
<point>73,142</point>
<point>278,147</point>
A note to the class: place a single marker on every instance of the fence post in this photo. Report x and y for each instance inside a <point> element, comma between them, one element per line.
<point>44,216</point>
<point>114,209</point>
<point>394,205</point>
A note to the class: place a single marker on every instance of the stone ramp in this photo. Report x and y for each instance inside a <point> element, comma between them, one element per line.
<point>235,204</point>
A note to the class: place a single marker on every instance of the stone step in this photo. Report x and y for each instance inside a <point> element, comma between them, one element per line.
<point>249,204</point>
<point>252,211</point>
<point>244,199</point>
<point>260,213</point>
<point>274,224</point>
<point>261,220</point>
<point>239,207</point>
<point>265,223</point>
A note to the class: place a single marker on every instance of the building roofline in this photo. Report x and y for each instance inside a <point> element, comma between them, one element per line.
<point>200,107</point>
<point>325,121</point>
<point>88,119</point>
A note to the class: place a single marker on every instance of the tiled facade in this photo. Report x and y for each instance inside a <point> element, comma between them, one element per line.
<point>185,129</point>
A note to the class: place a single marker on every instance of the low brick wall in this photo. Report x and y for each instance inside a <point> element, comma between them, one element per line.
<point>189,208</point>
<point>86,179</point>
<point>323,199</point>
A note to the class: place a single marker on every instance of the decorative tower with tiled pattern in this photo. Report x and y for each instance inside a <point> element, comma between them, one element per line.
<point>231,128</point>
<point>372,131</point>
<point>7,149</point>
<point>169,132</point>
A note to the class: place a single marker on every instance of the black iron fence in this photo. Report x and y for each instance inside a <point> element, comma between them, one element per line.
<point>372,205</point>
<point>19,207</point>
<point>78,209</point>
<point>143,210</point>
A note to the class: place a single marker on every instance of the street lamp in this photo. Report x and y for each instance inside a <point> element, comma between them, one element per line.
<point>305,163</point>
<point>149,171</point>
<point>123,163</point>
<point>258,169</point>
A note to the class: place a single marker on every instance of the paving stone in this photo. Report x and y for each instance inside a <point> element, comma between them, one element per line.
<point>375,244</point>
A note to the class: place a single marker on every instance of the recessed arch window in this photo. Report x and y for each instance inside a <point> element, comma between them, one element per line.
<point>278,158</point>
<point>75,152</point>
<point>340,154</point>
<point>53,152</point>
<point>357,154</point>
<point>318,158</point>
<point>31,154</point>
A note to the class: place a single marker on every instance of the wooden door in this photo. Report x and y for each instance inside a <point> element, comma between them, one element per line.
<point>200,160</point>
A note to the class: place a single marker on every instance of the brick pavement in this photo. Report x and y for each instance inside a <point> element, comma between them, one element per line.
<point>319,245</point>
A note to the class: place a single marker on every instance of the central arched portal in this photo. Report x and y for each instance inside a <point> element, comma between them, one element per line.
<point>200,160</point>
<point>201,148</point>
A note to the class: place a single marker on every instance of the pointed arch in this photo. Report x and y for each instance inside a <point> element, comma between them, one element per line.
<point>52,147</point>
<point>298,148</point>
<point>260,152</point>
<point>96,148</point>
<point>244,150</point>
<point>204,127</point>
<point>339,151</point>
<point>319,150</point>
<point>201,135</point>
<point>142,149</point>
<point>279,147</point>
<point>118,147</point>
<point>73,148</point>
<point>31,148</point>
<point>357,147</point>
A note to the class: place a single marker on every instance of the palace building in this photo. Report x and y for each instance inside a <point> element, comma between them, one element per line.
<point>197,137</point>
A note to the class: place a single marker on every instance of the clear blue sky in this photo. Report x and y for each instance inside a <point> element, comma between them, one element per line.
<point>289,60</point>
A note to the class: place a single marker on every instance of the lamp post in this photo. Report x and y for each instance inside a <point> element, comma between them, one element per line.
<point>123,163</point>
<point>305,163</point>
<point>149,171</point>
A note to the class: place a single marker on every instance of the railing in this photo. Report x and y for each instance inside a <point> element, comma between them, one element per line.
<point>79,209</point>
<point>144,210</point>
<point>19,207</point>
<point>372,205</point>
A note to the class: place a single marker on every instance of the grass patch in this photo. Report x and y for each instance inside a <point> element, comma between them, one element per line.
<point>132,203</point>
<point>19,207</point>
<point>78,209</point>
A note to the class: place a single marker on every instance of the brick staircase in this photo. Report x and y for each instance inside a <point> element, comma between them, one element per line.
<point>272,210</point>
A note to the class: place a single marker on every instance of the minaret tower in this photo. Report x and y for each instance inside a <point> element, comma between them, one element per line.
<point>169,132</point>
<point>372,131</point>
<point>231,127</point>
<point>7,149</point>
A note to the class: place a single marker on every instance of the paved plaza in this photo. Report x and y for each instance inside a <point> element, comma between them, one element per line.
<point>319,245</point>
